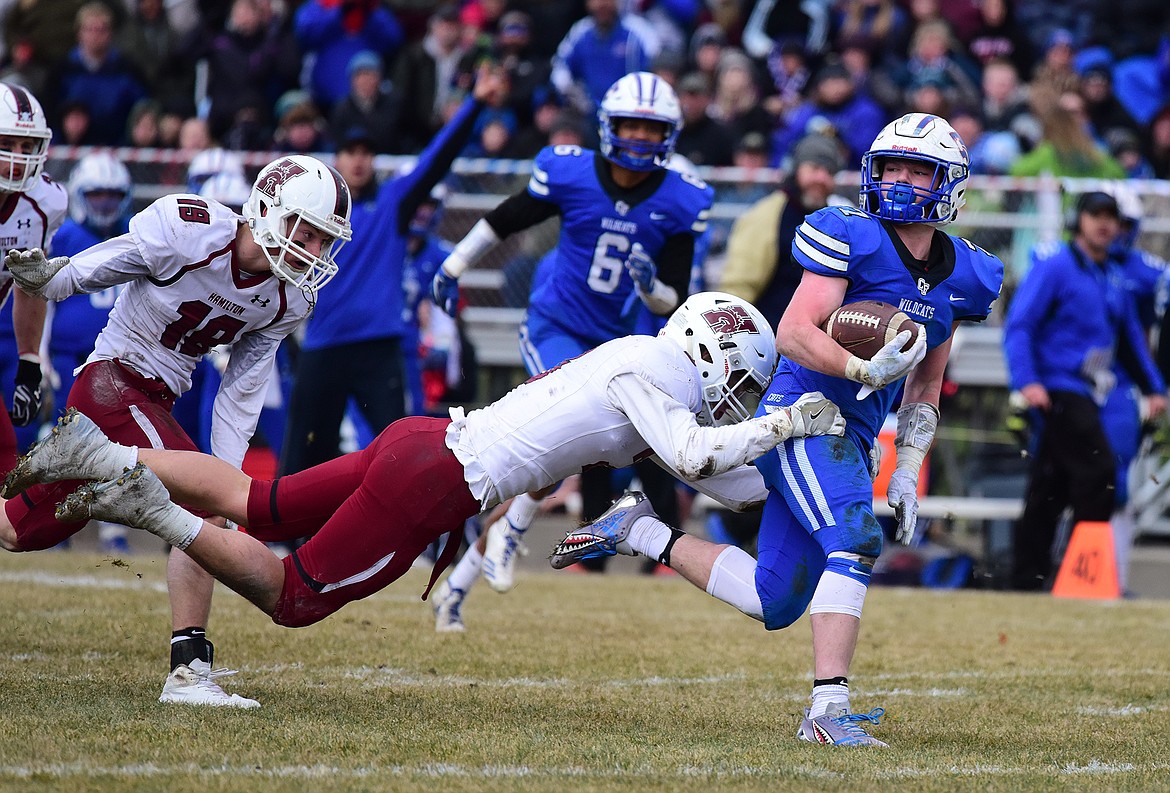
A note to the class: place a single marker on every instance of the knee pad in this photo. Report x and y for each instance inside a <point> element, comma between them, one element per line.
<point>843,585</point>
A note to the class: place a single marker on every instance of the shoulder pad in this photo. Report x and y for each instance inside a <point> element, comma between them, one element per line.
<point>548,166</point>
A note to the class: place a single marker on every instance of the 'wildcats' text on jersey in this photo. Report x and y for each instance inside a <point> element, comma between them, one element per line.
<point>599,228</point>
<point>959,281</point>
<point>29,220</point>
<point>184,295</point>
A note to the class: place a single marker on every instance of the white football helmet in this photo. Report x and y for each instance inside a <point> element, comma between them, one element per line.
<point>209,162</point>
<point>926,138</point>
<point>99,173</point>
<point>228,188</point>
<point>734,349</point>
<point>21,116</point>
<point>639,95</point>
<point>289,191</point>
<point>1130,207</point>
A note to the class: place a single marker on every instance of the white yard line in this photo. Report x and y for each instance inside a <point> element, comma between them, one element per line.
<point>456,771</point>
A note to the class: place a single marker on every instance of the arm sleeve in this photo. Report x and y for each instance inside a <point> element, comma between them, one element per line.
<point>115,261</point>
<point>522,211</point>
<point>241,396</point>
<point>670,429</point>
<point>674,265</point>
<point>433,163</point>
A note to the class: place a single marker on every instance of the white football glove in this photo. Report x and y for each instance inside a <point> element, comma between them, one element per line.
<point>813,414</point>
<point>31,270</point>
<point>902,495</point>
<point>888,365</point>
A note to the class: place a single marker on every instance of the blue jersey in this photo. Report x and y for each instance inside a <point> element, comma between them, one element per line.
<point>584,288</point>
<point>78,320</point>
<point>842,242</point>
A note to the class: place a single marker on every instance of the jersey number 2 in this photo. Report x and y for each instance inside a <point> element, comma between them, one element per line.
<point>187,337</point>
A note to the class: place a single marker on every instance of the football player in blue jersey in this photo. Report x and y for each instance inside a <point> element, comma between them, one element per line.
<point>628,231</point>
<point>99,209</point>
<point>819,536</point>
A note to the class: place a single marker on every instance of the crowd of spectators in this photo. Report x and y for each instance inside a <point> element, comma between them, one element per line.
<point>1075,88</point>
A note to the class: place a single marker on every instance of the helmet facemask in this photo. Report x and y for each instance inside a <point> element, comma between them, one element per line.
<point>733,349</point>
<point>642,96</point>
<point>22,126</point>
<point>294,190</point>
<point>920,138</point>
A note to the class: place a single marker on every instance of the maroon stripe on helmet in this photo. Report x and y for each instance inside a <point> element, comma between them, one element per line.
<point>24,108</point>
<point>341,206</point>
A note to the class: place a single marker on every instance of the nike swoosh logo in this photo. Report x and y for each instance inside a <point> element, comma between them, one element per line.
<point>657,216</point>
<point>817,415</point>
<point>956,298</point>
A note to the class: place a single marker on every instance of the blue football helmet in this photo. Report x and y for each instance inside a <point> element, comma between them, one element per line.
<point>639,95</point>
<point>924,138</point>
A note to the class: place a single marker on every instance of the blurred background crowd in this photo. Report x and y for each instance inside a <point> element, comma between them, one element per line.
<point>1071,87</point>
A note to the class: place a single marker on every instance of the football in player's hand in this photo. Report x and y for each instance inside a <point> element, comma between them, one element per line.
<point>866,326</point>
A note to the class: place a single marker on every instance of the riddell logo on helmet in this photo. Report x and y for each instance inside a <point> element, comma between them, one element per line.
<point>278,173</point>
<point>730,319</point>
<point>899,147</point>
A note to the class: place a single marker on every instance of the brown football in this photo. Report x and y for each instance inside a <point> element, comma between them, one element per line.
<point>866,326</point>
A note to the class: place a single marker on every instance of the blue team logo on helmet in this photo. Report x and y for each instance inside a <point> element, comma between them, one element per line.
<point>645,96</point>
<point>924,138</point>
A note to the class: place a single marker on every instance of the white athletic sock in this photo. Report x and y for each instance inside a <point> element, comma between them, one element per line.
<point>176,526</point>
<point>733,580</point>
<point>649,536</point>
<point>522,511</point>
<point>467,571</point>
<point>121,457</point>
<point>825,695</point>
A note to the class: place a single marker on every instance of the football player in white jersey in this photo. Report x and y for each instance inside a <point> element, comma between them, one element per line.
<point>32,208</point>
<point>685,397</point>
<point>196,275</point>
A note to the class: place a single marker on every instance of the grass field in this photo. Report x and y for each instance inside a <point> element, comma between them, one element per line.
<point>572,683</point>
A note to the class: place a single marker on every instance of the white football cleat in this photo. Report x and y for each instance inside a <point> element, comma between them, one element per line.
<point>195,684</point>
<point>75,449</point>
<point>504,544</point>
<point>447,603</point>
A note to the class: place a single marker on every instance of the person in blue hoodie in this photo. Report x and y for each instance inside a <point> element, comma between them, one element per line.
<point>352,345</point>
<point>1070,319</point>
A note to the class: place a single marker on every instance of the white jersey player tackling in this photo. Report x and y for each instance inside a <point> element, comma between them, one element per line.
<point>32,209</point>
<point>197,275</point>
<point>686,397</point>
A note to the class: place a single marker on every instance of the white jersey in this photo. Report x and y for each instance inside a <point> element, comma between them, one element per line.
<point>29,220</point>
<point>621,402</point>
<point>184,295</point>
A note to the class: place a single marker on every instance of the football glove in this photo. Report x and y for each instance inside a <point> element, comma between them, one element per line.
<point>26,395</point>
<point>641,267</point>
<point>813,414</point>
<point>445,292</point>
<point>888,365</point>
<point>902,495</point>
<point>31,270</point>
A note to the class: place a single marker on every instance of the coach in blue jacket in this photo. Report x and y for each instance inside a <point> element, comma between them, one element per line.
<point>1070,318</point>
<point>353,341</point>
